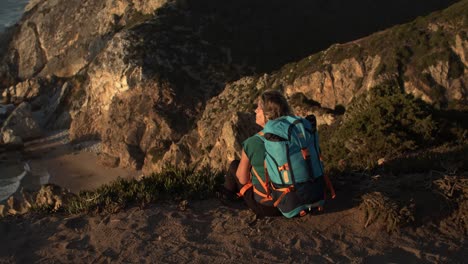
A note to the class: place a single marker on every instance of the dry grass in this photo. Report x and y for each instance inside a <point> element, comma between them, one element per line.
<point>379,208</point>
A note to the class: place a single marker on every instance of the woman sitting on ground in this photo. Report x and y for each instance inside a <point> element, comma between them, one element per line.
<point>247,176</point>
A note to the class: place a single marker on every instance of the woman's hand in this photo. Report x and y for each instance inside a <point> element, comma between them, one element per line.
<point>243,171</point>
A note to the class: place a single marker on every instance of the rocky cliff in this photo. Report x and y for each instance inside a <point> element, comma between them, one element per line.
<point>160,82</point>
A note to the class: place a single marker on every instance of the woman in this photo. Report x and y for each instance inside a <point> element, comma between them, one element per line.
<point>247,176</point>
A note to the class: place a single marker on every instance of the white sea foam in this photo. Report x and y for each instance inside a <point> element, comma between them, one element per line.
<point>9,186</point>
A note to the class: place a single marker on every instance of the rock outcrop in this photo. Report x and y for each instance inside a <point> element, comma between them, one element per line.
<point>20,125</point>
<point>49,197</point>
<point>61,38</point>
<point>134,101</point>
<point>23,91</point>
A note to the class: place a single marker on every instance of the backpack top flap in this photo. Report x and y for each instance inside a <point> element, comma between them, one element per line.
<point>282,128</point>
<point>285,137</point>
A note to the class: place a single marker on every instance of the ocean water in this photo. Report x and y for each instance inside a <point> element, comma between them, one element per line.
<point>10,180</point>
<point>10,12</point>
<point>23,175</point>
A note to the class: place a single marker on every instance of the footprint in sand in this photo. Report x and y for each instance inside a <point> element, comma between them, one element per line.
<point>77,223</point>
<point>110,253</point>
<point>80,244</point>
<point>396,255</point>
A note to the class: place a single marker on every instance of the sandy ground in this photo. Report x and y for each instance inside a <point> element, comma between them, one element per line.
<point>207,231</point>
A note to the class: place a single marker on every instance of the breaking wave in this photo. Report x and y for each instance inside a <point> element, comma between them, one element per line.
<point>10,185</point>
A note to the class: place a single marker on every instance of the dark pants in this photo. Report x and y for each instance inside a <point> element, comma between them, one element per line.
<point>232,184</point>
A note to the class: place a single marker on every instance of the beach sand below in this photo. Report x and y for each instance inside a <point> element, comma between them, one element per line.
<point>72,166</point>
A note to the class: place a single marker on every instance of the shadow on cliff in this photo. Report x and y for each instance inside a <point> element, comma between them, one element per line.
<point>264,35</point>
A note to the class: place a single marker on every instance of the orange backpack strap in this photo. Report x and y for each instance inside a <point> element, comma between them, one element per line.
<point>266,196</point>
<point>244,189</point>
<point>285,191</point>
<point>262,183</point>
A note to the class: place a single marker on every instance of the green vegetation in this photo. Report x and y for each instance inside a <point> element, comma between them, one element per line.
<point>172,185</point>
<point>380,124</point>
<point>387,123</point>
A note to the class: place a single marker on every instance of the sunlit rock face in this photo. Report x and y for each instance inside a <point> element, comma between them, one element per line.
<point>61,37</point>
<point>147,87</point>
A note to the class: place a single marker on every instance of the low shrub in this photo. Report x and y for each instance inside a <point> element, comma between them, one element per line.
<point>383,123</point>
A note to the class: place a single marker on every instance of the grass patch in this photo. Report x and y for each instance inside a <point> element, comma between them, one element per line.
<point>170,185</point>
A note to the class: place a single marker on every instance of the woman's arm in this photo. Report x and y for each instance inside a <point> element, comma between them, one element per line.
<point>243,171</point>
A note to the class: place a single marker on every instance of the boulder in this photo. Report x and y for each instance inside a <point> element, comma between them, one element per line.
<point>52,197</point>
<point>23,91</point>
<point>17,206</point>
<point>22,123</point>
<point>49,197</point>
<point>9,138</point>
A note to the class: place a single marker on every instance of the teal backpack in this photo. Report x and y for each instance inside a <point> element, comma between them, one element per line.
<point>293,168</point>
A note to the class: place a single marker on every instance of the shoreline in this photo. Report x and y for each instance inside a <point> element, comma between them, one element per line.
<point>11,12</point>
<point>53,159</point>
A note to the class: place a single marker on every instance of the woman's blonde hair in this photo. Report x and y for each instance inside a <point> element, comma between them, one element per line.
<point>274,105</point>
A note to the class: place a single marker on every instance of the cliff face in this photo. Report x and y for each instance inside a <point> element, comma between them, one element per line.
<point>156,80</point>
<point>147,86</point>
